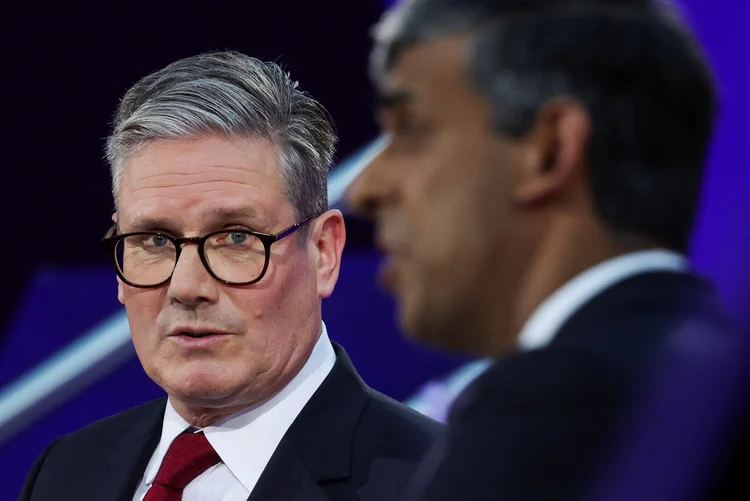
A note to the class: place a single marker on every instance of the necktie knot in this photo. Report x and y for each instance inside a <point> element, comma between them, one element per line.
<point>189,455</point>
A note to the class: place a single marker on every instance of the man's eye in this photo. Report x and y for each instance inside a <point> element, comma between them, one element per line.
<point>409,135</point>
<point>237,237</point>
<point>158,240</point>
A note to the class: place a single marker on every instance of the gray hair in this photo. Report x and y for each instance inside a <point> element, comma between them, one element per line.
<point>232,95</point>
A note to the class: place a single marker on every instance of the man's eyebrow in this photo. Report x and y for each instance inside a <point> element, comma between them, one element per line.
<point>147,224</point>
<point>228,214</point>
<point>209,217</point>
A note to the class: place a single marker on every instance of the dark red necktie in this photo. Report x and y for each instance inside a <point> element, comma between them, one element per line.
<point>189,455</point>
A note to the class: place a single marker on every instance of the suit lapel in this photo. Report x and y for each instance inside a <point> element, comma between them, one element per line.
<point>123,467</point>
<point>317,447</point>
<point>286,478</point>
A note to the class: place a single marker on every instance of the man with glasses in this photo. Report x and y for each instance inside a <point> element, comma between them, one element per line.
<point>224,247</point>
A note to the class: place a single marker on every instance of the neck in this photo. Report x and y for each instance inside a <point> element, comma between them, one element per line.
<point>201,417</point>
<point>569,247</point>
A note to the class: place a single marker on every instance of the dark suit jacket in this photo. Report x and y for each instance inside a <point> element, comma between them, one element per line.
<point>536,424</point>
<point>348,443</point>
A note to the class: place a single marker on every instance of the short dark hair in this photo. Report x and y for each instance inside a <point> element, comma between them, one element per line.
<point>632,64</point>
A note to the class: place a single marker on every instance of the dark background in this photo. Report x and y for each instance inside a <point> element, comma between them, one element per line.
<point>65,70</point>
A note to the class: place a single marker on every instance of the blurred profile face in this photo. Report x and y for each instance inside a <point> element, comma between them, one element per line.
<point>440,193</point>
<point>245,342</point>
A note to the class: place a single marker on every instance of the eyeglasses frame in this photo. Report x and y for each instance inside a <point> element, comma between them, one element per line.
<point>111,239</point>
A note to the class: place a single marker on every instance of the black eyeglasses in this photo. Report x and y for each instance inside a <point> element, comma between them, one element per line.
<point>237,257</point>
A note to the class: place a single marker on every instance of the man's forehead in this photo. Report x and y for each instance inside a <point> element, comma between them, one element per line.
<point>425,67</point>
<point>206,173</point>
<point>174,216</point>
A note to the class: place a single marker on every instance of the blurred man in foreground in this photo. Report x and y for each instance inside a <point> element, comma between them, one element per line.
<point>534,202</point>
<point>224,247</point>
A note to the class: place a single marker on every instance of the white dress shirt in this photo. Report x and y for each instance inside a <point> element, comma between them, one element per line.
<point>244,441</point>
<point>549,317</point>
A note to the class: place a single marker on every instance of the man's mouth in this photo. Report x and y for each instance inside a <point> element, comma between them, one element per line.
<point>198,335</point>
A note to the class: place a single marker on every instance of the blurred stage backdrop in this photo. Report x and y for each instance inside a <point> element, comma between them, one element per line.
<point>65,354</point>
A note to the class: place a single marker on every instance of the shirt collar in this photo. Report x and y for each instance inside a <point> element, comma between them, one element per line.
<point>549,317</point>
<point>246,441</point>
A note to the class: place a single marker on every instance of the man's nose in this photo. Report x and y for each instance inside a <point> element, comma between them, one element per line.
<point>191,283</point>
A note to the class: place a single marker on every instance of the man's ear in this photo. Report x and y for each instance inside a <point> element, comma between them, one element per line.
<point>555,151</point>
<point>328,239</point>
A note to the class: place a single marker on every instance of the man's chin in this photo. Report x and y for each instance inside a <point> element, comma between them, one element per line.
<point>200,386</point>
<point>423,328</point>
<point>210,397</point>
<point>435,331</point>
